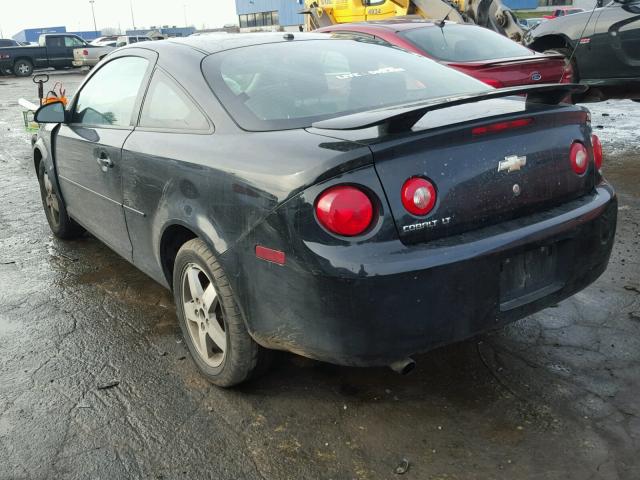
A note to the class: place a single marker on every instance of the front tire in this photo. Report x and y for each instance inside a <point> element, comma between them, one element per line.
<point>61,224</point>
<point>23,68</point>
<point>210,320</point>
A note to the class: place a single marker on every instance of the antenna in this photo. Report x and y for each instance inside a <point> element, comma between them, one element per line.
<point>577,43</point>
<point>441,23</point>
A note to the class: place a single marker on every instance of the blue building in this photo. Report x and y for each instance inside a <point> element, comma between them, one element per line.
<point>257,14</point>
<point>32,35</point>
<point>521,4</point>
<point>88,35</point>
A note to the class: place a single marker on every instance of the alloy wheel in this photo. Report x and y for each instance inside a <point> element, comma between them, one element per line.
<point>51,201</point>
<point>204,316</point>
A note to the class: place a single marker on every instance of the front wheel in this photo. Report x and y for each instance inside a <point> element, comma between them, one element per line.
<point>23,68</point>
<point>61,224</point>
<point>210,320</point>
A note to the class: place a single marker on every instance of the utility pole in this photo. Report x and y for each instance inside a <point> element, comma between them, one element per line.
<point>93,12</point>
<point>184,10</point>
<point>132,19</point>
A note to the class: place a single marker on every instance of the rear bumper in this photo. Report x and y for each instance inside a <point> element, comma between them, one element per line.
<point>372,304</point>
<point>84,63</point>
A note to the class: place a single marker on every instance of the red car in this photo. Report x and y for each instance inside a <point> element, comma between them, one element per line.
<point>476,51</point>
<point>562,11</point>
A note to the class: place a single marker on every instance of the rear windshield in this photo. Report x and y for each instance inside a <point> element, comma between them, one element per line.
<point>464,43</point>
<point>293,84</point>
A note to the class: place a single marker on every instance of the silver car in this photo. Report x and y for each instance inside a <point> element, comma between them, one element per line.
<point>89,57</point>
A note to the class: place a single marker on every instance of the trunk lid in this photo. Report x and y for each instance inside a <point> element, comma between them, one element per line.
<point>474,185</point>
<point>487,178</point>
<point>510,72</point>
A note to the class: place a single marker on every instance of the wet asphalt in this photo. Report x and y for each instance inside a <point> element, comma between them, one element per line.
<point>95,381</point>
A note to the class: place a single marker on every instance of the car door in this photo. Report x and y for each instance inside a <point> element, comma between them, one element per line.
<point>162,154</point>
<point>56,51</point>
<point>614,48</point>
<point>89,149</point>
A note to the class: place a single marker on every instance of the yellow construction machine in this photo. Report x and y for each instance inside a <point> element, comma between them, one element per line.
<point>492,14</point>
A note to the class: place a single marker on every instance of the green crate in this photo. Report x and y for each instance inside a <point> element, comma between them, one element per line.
<point>29,123</point>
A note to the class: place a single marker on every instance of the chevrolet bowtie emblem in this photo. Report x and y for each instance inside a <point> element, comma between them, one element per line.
<point>512,163</point>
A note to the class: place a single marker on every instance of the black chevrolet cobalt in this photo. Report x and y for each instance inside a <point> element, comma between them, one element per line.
<point>342,200</point>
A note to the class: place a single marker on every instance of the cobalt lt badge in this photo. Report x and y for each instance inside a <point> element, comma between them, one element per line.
<point>512,163</point>
<point>536,77</point>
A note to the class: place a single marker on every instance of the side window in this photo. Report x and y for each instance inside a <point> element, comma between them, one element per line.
<point>55,42</point>
<point>109,97</point>
<point>167,106</point>
<point>73,42</point>
<point>133,39</point>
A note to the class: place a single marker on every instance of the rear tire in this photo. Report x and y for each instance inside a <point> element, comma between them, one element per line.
<point>22,68</point>
<point>61,224</point>
<point>210,320</point>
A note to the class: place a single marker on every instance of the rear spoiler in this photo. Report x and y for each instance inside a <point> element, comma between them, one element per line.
<point>400,118</point>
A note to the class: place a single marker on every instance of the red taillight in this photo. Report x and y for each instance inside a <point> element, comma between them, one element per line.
<point>344,210</point>
<point>579,158</point>
<point>567,73</point>
<point>85,52</point>
<point>597,151</point>
<point>418,196</point>
<point>493,82</point>
<point>502,126</point>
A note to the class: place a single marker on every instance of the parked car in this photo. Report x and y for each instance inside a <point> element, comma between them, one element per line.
<point>129,39</point>
<point>602,47</point>
<point>529,23</point>
<point>476,51</point>
<point>342,200</point>
<point>54,50</point>
<point>562,12</point>
<point>7,42</point>
<point>89,57</point>
<point>100,41</point>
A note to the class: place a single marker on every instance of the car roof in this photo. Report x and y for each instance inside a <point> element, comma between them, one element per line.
<point>217,43</point>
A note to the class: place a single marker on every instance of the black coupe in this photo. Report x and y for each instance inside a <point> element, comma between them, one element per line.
<point>342,200</point>
<point>601,45</point>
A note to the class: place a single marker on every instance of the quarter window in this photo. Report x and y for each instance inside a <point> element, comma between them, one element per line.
<point>167,106</point>
<point>109,97</point>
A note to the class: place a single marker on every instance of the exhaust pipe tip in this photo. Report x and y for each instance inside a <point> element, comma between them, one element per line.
<point>404,366</point>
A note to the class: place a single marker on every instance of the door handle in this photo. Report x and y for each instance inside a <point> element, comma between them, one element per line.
<point>104,161</point>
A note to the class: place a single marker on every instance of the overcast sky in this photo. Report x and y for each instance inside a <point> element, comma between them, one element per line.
<point>18,15</point>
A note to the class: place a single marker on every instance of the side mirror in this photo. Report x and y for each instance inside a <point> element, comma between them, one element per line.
<point>50,113</point>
